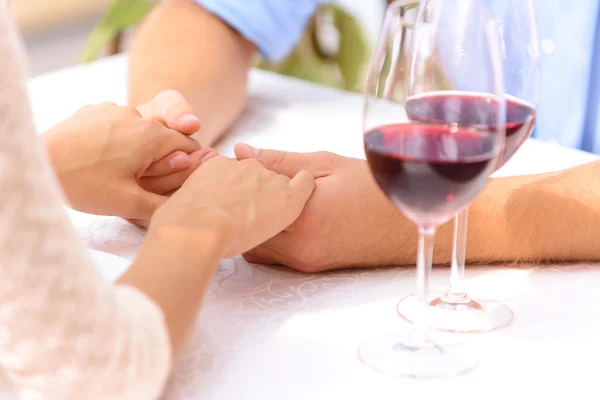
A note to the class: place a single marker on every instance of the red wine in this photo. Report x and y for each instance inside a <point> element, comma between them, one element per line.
<point>430,172</point>
<point>472,109</point>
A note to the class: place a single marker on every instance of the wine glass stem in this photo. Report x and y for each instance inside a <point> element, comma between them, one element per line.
<point>424,265</point>
<point>456,292</point>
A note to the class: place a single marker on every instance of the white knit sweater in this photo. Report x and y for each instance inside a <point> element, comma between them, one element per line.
<point>64,332</point>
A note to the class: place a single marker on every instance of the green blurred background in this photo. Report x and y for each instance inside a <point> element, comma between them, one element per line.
<point>334,49</point>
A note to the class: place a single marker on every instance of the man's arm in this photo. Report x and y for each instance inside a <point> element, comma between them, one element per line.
<point>349,222</point>
<point>547,217</point>
<point>181,46</point>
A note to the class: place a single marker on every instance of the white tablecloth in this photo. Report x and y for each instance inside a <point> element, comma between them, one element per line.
<point>270,333</point>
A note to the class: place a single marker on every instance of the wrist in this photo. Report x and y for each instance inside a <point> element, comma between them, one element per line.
<point>180,255</point>
<point>211,234</point>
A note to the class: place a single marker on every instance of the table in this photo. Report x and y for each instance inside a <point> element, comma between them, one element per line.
<point>270,333</point>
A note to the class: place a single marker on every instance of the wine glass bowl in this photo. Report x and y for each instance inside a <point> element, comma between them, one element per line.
<point>520,121</point>
<point>432,168</point>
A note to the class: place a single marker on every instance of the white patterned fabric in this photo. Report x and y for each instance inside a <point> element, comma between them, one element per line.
<point>269,333</point>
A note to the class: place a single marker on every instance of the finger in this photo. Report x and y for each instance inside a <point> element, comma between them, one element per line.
<point>167,141</point>
<point>302,186</point>
<point>142,223</point>
<point>210,155</point>
<point>168,183</point>
<point>145,111</point>
<point>144,204</point>
<point>283,162</point>
<point>272,252</point>
<point>174,162</point>
<point>258,256</point>
<point>172,109</point>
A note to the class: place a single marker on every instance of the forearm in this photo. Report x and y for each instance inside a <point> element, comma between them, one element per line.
<point>64,331</point>
<point>546,217</point>
<point>175,268</point>
<point>182,47</point>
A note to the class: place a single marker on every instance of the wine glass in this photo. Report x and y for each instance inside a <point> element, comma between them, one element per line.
<point>431,146</point>
<point>454,310</point>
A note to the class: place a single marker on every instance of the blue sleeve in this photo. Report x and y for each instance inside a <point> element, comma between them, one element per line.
<point>274,26</point>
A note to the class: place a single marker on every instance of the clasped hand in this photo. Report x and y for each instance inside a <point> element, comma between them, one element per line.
<point>127,162</point>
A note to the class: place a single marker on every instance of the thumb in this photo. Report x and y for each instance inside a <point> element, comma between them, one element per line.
<point>172,110</point>
<point>284,162</point>
<point>144,204</point>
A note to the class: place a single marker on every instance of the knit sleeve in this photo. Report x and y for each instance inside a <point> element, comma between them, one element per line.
<point>64,332</point>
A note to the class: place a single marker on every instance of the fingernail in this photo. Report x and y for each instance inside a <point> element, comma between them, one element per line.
<point>179,161</point>
<point>248,148</point>
<point>210,155</point>
<point>187,118</point>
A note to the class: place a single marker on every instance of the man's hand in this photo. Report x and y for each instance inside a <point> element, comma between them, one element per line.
<point>348,222</point>
<point>102,157</point>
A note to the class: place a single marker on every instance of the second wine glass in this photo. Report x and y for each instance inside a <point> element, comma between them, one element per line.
<point>455,310</point>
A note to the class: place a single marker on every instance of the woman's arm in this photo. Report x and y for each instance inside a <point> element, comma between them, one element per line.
<point>64,332</point>
<point>175,269</point>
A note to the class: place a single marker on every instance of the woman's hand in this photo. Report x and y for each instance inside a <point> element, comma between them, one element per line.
<point>101,156</point>
<point>225,208</point>
<point>172,110</point>
<point>238,204</point>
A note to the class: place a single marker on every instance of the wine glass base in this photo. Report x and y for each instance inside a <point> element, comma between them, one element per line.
<point>395,355</point>
<point>468,316</point>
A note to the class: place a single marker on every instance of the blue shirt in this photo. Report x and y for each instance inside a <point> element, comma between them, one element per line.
<point>569,108</point>
<point>273,25</point>
<point>569,102</point>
